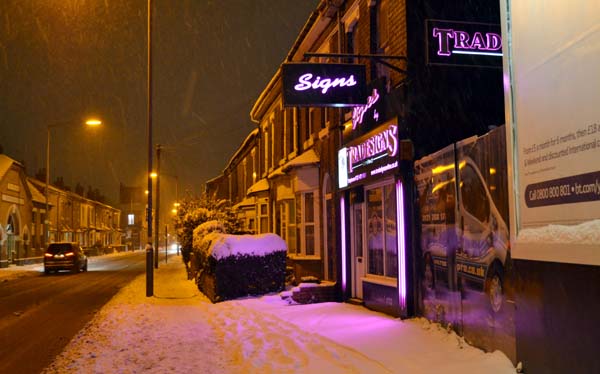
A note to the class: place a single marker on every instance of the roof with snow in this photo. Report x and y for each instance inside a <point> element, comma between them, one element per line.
<point>249,201</point>
<point>5,164</point>
<point>261,185</point>
<point>307,158</point>
<point>36,195</point>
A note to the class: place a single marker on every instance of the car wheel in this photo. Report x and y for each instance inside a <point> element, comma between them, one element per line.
<point>75,269</point>
<point>46,271</point>
<point>495,291</point>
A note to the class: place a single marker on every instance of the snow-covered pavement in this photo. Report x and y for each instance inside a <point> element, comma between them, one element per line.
<point>180,331</point>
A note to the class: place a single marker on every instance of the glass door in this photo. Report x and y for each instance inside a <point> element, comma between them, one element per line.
<point>357,232</point>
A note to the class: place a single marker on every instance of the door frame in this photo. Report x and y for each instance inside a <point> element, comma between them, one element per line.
<point>358,262</point>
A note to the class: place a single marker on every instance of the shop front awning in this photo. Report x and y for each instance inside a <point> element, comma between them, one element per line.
<point>261,185</point>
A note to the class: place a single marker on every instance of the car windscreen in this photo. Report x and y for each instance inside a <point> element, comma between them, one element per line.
<point>59,248</point>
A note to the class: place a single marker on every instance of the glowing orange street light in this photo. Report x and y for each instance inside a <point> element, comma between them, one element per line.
<point>90,122</point>
<point>93,122</point>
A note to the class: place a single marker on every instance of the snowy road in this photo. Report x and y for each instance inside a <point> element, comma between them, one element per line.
<point>39,314</point>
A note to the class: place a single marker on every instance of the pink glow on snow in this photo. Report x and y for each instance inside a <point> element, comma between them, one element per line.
<point>189,334</point>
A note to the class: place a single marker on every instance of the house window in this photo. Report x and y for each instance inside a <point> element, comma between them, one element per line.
<point>273,143</point>
<point>306,235</point>
<point>266,148</point>
<point>383,25</point>
<point>382,253</point>
<point>130,219</point>
<point>283,221</point>
<point>288,224</point>
<point>382,36</point>
<point>263,213</point>
<point>289,131</point>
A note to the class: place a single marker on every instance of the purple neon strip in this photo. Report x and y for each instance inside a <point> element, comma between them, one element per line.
<point>401,245</point>
<point>477,53</point>
<point>343,227</point>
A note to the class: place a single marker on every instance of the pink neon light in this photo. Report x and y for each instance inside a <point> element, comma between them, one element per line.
<point>401,245</point>
<point>304,83</point>
<point>464,41</point>
<point>343,233</point>
<point>385,141</point>
<point>359,111</point>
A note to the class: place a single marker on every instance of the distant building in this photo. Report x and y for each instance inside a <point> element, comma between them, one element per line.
<point>71,217</point>
<point>132,202</point>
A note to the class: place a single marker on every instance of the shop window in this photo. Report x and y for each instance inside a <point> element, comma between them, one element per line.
<point>130,219</point>
<point>391,242</point>
<point>382,253</point>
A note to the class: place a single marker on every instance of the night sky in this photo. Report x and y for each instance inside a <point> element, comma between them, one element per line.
<point>65,60</point>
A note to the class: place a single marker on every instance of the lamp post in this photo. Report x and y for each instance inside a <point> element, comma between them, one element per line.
<point>90,122</point>
<point>158,175</point>
<point>149,249</point>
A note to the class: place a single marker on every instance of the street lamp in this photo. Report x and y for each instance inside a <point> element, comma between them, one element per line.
<point>93,122</point>
<point>158,175</point>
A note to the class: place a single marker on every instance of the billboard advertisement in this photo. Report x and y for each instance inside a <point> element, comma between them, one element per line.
<point>318,85</point>
<point>555,90</point>
<point>466,266</point>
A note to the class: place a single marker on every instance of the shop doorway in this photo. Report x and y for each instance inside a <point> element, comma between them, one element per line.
<point>358,249</point>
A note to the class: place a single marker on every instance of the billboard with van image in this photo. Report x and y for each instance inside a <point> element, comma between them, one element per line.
<point>466,267</point>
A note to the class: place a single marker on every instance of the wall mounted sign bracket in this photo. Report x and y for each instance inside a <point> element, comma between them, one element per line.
<point>379,59</point>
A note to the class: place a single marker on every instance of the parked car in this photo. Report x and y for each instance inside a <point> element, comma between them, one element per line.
<point>65,256</point>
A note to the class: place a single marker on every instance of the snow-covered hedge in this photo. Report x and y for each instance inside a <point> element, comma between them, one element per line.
<point>232,266</point>
<point>204,229</point>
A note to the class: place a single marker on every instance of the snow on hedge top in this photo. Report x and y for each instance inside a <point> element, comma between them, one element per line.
<point>225,245</point>
<point>209,226</point>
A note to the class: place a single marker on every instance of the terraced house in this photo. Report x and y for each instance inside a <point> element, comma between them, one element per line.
<point>71,217</point>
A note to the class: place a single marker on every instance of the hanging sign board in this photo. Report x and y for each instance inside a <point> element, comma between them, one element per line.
<point>318,85</point>
<point>463,43</point>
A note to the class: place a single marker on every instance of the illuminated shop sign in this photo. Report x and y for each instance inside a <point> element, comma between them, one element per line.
<point>382,144</point>
<point>358,113</point>
<point>375,112</point>
<point>309,84</point>
<point>372,155</point>
<point>464,43</point>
